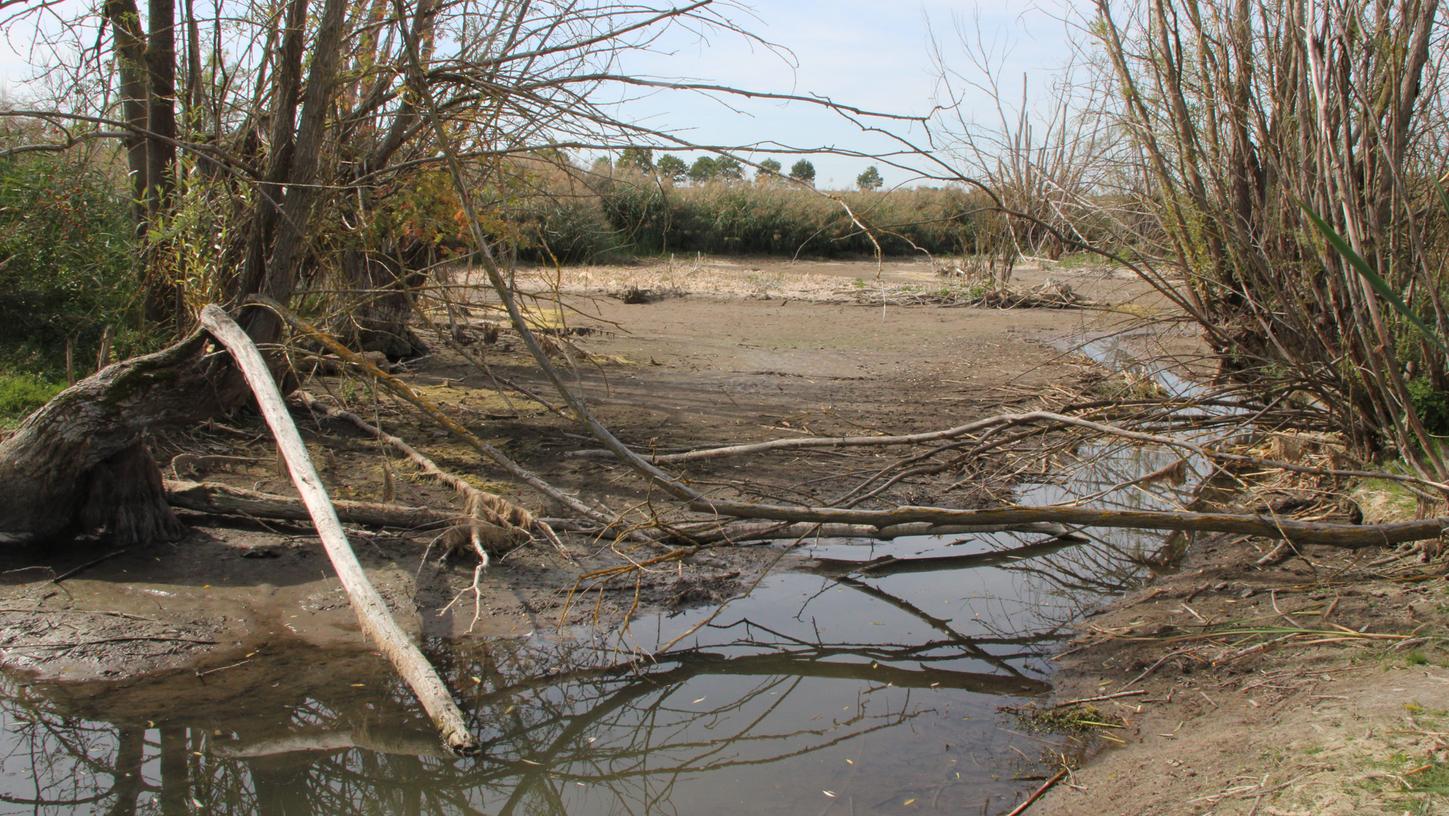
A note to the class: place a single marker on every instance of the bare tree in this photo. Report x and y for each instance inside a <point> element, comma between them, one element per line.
<point>300,127</point>
<point>1044,165</point>
<point>1241,115</point>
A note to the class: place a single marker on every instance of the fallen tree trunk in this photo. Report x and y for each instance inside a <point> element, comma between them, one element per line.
<point>372,612</point>
<point>746,531</point>
<point>1299,532</point>
<point>78,465</point>
<point>225,500</point>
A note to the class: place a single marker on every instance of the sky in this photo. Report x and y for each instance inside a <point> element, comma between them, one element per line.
<point>873,54</point>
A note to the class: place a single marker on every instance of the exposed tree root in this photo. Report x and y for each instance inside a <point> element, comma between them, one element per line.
<point>78,463</point>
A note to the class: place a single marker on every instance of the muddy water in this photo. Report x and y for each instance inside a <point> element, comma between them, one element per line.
<point>854,683</point>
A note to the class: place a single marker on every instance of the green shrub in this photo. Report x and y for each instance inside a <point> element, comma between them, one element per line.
<point>777,219</point>
<point>1431,404</point>
<point>561,229</point>
<point>66,253</point>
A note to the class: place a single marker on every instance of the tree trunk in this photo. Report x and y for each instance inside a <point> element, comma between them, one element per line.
<point>164,303</point>
<point>78,465</point>
<point>385,285</point>
<point>125,22</point>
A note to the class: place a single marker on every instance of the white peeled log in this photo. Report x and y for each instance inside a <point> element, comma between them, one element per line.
<point>372,613</point>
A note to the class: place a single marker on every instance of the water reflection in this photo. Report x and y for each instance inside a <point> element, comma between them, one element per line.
<point>829,689</point>
<point>867,681</point>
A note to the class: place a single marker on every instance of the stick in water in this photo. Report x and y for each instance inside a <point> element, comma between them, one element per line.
<point>372,613</point>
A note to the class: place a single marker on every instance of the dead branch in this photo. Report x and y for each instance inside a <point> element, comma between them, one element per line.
<point>402,390</point>
<point>747,531</point>
<point>1039,792</point>
<point>215,498</point>
<point>1005,421</point>
<point>490,508</point>
<point>1351,536</point>
<point>372,612</point>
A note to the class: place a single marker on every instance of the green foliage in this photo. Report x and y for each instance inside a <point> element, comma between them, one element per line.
<point>870,179</point>
<point>770,172</point>
<point>1430,403</point>
<point>728,169</point>
<point>803,171</point>
<point>768,219</point>
<point>672,168</point>
<point>66,257</point>
<point>22,393</point>
<point>704,170</point>
<point>637,213</point>
<point>561,229</point>
<point>640,159</point>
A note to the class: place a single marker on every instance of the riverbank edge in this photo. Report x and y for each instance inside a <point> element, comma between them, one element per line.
<point>1270,722</point>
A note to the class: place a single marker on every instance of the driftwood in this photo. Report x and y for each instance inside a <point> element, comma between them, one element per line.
<point>225,500</point>
<point>372,612</point>
<point>746,531</point>
<point>1039,792</point>
<point>1003,421</point>
<point>1004,518</point>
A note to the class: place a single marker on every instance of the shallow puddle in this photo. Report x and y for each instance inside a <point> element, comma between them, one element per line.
<point>857,683</point>
<point>834,694</point>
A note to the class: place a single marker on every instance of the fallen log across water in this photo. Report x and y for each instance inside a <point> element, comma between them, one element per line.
<point>1062,523</point>
<point>372,613</point>
<point>1351,536</point>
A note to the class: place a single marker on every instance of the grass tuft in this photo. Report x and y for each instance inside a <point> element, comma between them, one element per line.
<point>22,393</point>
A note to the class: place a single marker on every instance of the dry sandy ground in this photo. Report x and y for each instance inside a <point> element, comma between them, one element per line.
<point>1257,721</point>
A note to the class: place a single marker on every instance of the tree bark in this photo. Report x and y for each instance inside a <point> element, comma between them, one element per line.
<point>78,464</point>
<point>385,283</point>
<point>124,19</point>
<point>226,500</point>
<point>164,304</point>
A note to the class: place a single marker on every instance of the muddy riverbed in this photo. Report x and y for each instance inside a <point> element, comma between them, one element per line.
<point>224,673</point>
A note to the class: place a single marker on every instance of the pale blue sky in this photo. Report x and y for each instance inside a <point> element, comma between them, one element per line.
<point>866,53</point>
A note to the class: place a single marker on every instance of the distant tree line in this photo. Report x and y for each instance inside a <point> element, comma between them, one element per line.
<point>637,204</point>
<point>707,169</point>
